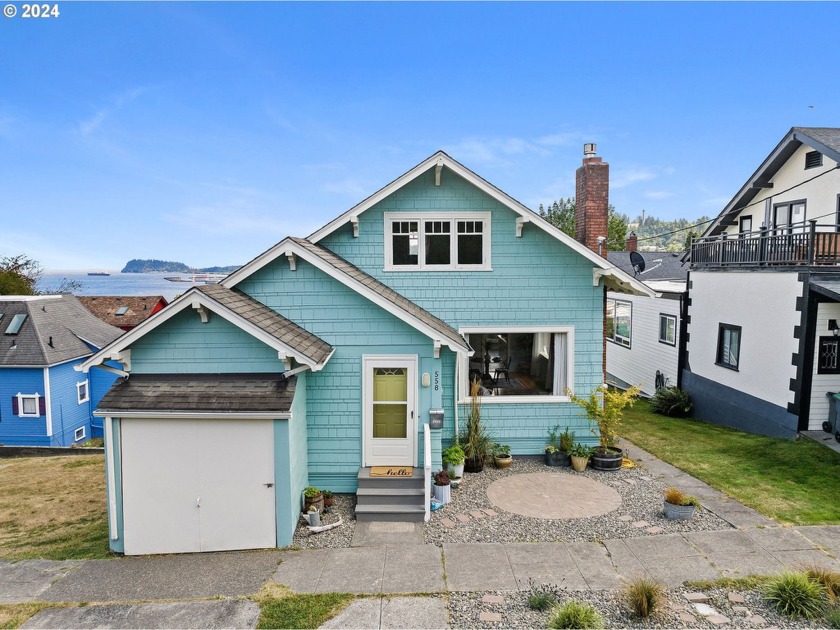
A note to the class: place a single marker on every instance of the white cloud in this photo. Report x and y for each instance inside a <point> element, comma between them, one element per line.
<point>621,178</point>
<point>658,194</point>
<point>94,122</point>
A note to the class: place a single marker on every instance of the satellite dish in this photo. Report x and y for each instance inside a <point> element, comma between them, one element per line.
<point>638,262</point>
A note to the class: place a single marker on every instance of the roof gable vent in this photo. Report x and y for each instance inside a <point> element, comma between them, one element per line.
<point>813,159</point>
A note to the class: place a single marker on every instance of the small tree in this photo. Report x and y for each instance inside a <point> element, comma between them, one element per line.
<point>606,413</point>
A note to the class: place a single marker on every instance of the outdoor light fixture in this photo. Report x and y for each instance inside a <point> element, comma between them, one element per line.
<point>833,327</point>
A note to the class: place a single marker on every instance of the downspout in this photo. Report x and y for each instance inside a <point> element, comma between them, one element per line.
<point>456,390</point>
<point>683,345</point>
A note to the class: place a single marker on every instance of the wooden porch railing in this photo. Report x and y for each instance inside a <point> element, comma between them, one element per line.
<point>798,244</point>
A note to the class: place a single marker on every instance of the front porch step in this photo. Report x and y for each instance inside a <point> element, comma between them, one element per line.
<point>391,512</point>
<point>390,498</point>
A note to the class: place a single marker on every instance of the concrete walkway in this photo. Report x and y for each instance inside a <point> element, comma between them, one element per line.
<point>385,565</point>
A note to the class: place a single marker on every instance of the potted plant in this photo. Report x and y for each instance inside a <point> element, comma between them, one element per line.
<point>453,460</point>
<point>579,455</point>
<point>604,408</point>
<point>313,496</point>
<point>679,506</point>
<point>313,515</point>
<point>501,455</point>
<point>443,492</point>
<point>475,440</point>
<point>328,498</point>
<point>553,457</point>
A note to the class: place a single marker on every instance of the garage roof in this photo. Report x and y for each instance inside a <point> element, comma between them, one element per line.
<point>200,393</point>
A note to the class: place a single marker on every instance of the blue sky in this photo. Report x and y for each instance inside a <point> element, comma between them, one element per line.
<point>206,132</point>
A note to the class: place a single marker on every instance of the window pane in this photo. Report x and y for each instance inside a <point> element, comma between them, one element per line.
<point>470,250</point>
<point>516,364</point>
<point>611,319</point>
<point>405,242</point>
<point>622,322</point>
<point>734,347</point>
<point>438,242</point>
<point>30,406</point>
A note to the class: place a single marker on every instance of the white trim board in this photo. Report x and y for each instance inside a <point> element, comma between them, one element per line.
<point>194,298</point>
<point>620,280</point>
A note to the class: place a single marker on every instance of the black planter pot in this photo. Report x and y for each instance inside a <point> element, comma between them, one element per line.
<point>611,460</point>
<point>474,465</point>
<point>558,458</point>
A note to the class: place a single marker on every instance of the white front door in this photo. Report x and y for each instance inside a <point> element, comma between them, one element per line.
<point>390,410</point>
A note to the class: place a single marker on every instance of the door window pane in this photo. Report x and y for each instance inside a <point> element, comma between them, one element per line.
<point>390,402</point>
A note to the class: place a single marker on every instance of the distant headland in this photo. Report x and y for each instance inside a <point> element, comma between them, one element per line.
<point>137,265</point>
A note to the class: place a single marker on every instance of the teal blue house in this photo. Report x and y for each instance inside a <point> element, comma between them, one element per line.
<point>327,355</point>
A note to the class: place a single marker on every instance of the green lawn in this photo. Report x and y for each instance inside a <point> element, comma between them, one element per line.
<point>794,482</point>
<point>281,608</point>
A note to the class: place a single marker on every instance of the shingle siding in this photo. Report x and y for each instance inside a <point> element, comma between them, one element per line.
<point>15,431</point>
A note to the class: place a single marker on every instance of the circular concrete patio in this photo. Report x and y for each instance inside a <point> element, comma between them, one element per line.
<point>553,496</point>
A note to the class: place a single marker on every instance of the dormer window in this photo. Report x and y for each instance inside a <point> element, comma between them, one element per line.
<point>437,241</point>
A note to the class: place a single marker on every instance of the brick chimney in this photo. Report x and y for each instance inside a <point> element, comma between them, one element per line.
<point>592,200</point>
<point>631,243</point>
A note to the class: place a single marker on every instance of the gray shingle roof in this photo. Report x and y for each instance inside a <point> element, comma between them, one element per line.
<point>258,314</point>
<point>385,291</point>
<point>671,268</point>
<point>829,136</point>
<point>201,392</point>
<point>61,318</point>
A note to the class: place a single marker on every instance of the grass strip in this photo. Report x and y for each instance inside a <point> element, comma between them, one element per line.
<point>792,481</point>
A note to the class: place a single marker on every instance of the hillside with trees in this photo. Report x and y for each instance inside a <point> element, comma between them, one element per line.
<point>152,265</point>
<point>653,234</point>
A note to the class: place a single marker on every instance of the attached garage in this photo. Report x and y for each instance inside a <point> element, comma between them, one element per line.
<point>210,485</point>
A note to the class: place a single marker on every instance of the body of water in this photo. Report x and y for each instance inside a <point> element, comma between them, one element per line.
<point>115,284</point>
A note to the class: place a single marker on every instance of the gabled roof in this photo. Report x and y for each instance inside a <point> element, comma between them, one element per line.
<point>826,140</point>
<point>615,279</point>
<point>255,318</point>
<point>107,307</point>
<point>57,328</point>
<point>229,393</point>
<point>658,265</point>
<point>361,282</point>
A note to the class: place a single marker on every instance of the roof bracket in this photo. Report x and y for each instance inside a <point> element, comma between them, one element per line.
<point>437,348</point>
<point>354,221</point>
<point>292,262</point>
<point>438,169</point>
<point>202,311</point>
<point>597,274</point>
<point>123,357</point>
<point>520,223</point>
<point>286,359</point>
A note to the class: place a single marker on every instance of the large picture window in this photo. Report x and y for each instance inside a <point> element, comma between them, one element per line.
<point>437,241</point>
<point>513,363</point>
<point>729,346</point>
<point>619,322</point>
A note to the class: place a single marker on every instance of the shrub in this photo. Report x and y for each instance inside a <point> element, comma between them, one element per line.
<point>794,594</point>
<point>644,597</point>
<point>453,456</point>
<point>567,440</point>
<point>604,408</point>
<point>829,579</point>
<point>573,614</point>
<point>541,601</point>
<point>441,478</point>
<point>675,496</point>
<point>671,401</point>
<point>832,618</point>
<point>327,494</point>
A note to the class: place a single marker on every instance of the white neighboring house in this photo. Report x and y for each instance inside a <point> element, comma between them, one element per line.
<point>762,342</point>
<point>644,336</point>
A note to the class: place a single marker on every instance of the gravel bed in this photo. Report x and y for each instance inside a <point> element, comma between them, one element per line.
<point>640,493</point>
<point>465,609</point>
<point>344,507</point>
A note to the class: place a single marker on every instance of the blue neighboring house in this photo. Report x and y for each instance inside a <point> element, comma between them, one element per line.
<point>329,355</point>
<point>44,400</point>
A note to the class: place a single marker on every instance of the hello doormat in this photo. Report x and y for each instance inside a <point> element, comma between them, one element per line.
<point>391,471</point>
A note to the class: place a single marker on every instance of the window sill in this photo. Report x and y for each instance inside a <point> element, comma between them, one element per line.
<point>516,400</point>
<point>619,344</point>
<point>668,343</point>
<point>728,367</point>
<point>415,269</point>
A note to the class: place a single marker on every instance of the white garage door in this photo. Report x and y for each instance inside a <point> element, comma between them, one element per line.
<point>197,485</point>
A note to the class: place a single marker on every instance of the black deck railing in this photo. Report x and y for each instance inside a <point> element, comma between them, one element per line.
<point>800,244</point>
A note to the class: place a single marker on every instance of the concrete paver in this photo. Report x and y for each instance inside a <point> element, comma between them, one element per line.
<point>24,581</point>
<point>214,614</point>
<point>544,563</point>
<point>392,613</point>
<point>550,496</point>
<point>353,570</point>
<point>424,576</point>
<point>478,567</point>
<point>182,576</point>
<point>373,533</point>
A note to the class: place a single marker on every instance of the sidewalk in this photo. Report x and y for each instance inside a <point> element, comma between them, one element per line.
<point>757,545</point>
